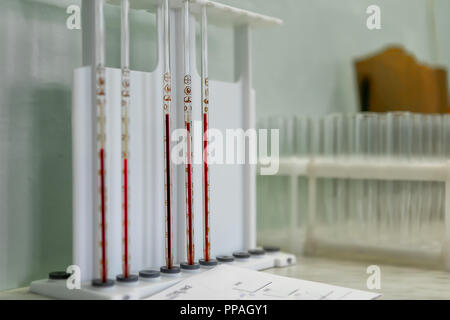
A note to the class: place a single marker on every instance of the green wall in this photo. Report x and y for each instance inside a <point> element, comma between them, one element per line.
<point>37,57</point>
<point>306,65</point>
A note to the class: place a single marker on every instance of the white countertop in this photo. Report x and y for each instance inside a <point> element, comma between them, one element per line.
<point>396,282</point>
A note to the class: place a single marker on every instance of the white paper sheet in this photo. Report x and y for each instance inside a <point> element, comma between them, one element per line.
<point>234,283</point>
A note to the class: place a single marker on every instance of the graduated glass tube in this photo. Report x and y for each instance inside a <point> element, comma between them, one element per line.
<point>188,127</point>
<point>167,98</point>
<point>101,101</point>
<point>125,106</point>
<point>207,260</point>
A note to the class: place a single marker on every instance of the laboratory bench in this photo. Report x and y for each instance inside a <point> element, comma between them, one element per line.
<point>397,282</point>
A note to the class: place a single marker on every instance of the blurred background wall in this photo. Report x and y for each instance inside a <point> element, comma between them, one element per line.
<point>302,67</point>
<point>306,65</point>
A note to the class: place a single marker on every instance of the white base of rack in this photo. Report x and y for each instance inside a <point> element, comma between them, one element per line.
<point>145,288</point>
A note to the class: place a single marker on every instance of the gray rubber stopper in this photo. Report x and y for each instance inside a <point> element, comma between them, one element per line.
<point>209,263</point>
<point>241,255</point>
<point>58,275</point>
<point>187,266</point>
<point>271,249</point>
<point>172,270</point>
<point>100,284</point>
<point>149,274</point>
<point>225,258</point>
<point>129,279</point>
<point>257,252</point>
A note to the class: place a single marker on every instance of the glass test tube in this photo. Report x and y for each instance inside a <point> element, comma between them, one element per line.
<point>353,185</point>
<point>125,93</point>
<point>167,98</point>
<point>330,184</point>
<point>369,149</point>
<point>188,128</point>
<point>101,136</point>
<point>400,148</point>
<point>205,121</point>
<point>418,188</point>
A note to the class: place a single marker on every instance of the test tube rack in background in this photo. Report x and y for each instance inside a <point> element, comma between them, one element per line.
<point>233,187</point>
<point>362,186</point>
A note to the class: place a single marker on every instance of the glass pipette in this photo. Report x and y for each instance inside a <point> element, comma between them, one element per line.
<point>101,203</point>
<point>125,106</point>
<point>167,98</point>
<point>188,127</point>
<point>205,121</point>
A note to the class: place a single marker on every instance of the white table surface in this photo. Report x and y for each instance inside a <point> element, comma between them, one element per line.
<point>397,282</point>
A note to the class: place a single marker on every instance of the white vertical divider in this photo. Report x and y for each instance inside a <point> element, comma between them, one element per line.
<point>243,73</point>
<point>154,226</point>
<point>83,173</point>
<point>83,148</point>
<point>138,172</point>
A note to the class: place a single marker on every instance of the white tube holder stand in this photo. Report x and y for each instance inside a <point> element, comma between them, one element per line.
<point>233,193</point>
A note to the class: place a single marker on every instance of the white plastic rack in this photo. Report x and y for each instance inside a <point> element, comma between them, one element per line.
<point>145,288</point>
<point>233,193</point>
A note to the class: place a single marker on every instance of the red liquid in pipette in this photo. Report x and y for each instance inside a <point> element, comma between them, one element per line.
<point>190,252</point>
<point>103,213</point>
<point>125,222</point>
<point>169,262</point>
<point>206,182</point>
<point>125,138</point>
<point>101,122</point>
